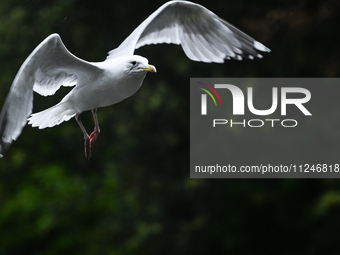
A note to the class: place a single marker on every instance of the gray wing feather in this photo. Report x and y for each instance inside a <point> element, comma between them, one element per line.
<point>48,67</point>
<point>202,34</point>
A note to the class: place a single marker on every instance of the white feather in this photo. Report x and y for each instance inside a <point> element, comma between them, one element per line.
<point>201,33</point>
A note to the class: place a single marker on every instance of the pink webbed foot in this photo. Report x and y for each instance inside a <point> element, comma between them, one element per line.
<point>87,148</point>
<point>89,140</point>
<point>93,137</point>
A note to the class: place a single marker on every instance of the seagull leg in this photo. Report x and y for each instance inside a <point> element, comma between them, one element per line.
<point>86,137</point>
<point>94,135</point>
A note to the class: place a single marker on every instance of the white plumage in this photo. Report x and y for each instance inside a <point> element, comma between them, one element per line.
<point>201,33</point>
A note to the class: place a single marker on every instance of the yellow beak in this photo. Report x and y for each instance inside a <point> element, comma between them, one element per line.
<point>150,68</point>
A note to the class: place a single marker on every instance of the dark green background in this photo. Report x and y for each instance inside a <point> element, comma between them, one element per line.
<point>135,196</point>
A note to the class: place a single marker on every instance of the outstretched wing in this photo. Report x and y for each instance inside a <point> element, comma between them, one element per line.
<point>203,35</point>
<point>48,67</point>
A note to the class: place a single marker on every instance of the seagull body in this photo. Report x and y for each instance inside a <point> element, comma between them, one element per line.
<point>202,34</point>
<point>100,84</point>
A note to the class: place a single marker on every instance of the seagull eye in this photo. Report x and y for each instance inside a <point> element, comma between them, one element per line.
<point>133,63</point>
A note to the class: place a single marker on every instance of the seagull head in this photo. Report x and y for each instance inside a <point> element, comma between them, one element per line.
<point>137,64</point>
<point>126,74</point>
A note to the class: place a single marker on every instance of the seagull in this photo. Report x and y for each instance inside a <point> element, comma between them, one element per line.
<point>203,35</point>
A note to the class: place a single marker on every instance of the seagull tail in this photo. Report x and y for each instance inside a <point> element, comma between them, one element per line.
<point>52,116</point>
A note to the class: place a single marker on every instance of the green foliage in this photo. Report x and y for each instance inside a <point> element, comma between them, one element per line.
<point>135,196</point>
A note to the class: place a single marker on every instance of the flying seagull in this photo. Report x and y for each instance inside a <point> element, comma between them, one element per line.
<point>202,34</point>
